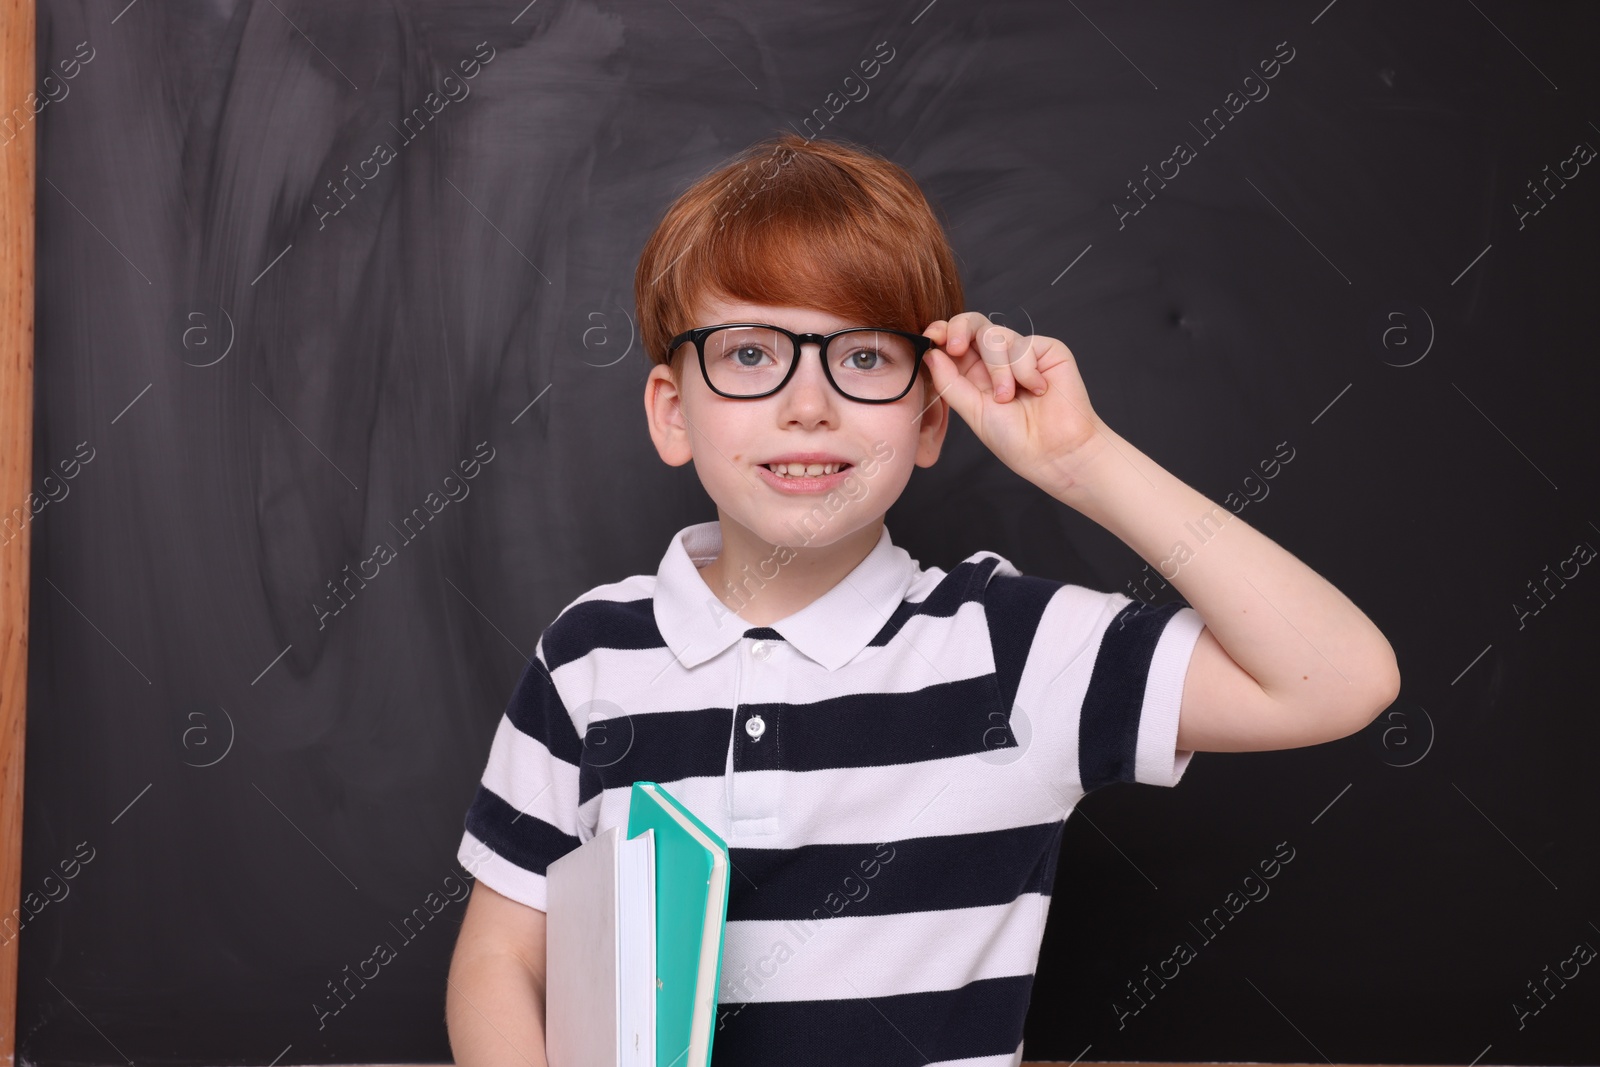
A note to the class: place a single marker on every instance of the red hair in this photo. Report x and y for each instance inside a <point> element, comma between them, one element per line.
<point>793,222</point>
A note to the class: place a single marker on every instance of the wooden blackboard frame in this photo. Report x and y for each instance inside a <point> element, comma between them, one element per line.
<point>18,30</point>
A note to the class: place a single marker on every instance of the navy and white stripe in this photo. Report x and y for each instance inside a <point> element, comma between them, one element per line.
<point>895,826</point>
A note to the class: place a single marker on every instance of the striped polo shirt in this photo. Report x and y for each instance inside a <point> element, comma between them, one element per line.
<point>891,768</point>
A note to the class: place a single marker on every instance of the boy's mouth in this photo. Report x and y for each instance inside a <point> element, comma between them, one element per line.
<point>805,470</point>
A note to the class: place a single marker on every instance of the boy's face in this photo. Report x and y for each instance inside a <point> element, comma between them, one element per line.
<point>729,440</point>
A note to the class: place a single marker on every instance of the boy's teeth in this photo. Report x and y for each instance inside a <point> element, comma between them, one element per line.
<point>806,470</point>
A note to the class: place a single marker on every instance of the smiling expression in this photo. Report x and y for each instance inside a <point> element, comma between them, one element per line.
<point>733,442</point>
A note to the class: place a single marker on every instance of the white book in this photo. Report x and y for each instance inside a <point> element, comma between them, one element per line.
<point>600,954</point>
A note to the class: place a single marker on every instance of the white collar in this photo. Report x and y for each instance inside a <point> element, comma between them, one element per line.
<point>832,630</point>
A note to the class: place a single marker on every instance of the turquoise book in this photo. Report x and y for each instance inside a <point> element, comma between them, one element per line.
<point>691,914</point>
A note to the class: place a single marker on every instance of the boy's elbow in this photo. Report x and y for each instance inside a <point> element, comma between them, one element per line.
<point>1383,689</point>
<point>1388,683</point>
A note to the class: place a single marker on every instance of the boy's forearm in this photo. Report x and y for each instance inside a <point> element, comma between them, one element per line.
<point>1301,639</point>
<point>494,1011</point>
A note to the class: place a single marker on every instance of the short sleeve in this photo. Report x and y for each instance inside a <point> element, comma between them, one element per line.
<point>525,812</point>
<point>1109,669</point>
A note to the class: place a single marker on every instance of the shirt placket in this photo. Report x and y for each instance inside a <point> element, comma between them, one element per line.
<point>755,799</point>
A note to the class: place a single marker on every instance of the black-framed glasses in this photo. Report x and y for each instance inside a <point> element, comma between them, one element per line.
<point>748,360</point>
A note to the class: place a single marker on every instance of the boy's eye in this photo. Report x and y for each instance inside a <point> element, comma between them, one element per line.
<point>748,355</point>
<point>864,359</point>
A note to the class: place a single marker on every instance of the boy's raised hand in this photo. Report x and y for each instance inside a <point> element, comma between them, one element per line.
<point>1022,396</point>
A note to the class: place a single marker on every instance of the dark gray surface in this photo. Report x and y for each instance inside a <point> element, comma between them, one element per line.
<point>1441,859</point>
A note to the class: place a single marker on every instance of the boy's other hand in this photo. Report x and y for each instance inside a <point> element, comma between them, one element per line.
<point>1039,431</point>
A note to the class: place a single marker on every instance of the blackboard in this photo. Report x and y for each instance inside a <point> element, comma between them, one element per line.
<point>1375,257</point>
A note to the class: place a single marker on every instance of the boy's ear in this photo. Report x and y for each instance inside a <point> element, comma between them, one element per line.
<point>933,425</point>
<point>663,403</point>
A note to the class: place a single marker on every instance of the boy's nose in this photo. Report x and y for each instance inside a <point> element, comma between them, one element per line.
<point>809,382</point>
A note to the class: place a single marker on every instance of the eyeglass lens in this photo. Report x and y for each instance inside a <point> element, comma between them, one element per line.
<point>866,364</point>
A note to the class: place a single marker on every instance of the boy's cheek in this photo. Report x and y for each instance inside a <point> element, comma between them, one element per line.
<point>883,451</point>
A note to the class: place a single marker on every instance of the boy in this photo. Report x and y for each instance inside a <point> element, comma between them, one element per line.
<point>890,751</point>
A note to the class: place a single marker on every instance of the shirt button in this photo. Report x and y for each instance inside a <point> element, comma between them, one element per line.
<point>761,650</point>
<point>755,726</point>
